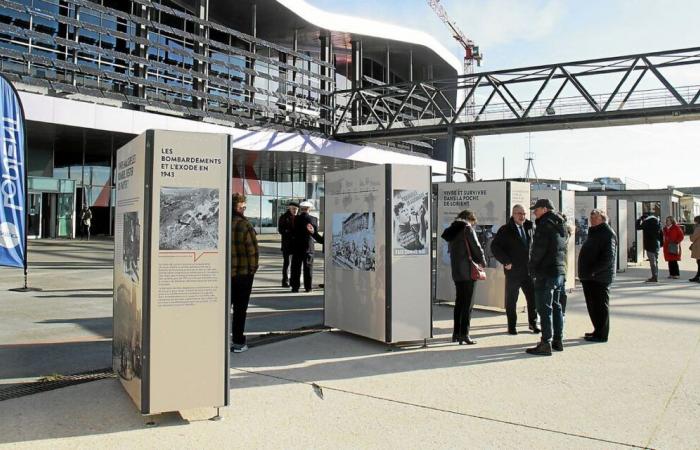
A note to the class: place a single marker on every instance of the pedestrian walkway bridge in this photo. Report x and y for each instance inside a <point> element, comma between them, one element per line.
<point>642,88</point>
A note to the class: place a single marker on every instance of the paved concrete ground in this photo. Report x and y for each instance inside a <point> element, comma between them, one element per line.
<point>334,390</point>
<point>66,327</point>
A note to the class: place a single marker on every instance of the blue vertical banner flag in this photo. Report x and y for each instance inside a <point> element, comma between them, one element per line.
<point>13,180</point>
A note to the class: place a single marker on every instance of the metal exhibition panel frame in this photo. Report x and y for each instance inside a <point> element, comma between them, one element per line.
<point>491,201</point>
<point>617,219</point>
<point>564,202</point>
<point>172,270</point>
<point>378,252</point>
<point>638,255</point>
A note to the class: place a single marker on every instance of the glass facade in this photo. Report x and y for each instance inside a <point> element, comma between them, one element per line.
<point>160,55</point>
<point>269,191</point>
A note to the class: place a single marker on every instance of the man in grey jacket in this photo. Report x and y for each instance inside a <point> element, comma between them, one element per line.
<point>548,268</point>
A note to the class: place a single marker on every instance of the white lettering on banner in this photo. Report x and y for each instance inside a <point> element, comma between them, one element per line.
<point>9,236</point>
<point>10,165</point>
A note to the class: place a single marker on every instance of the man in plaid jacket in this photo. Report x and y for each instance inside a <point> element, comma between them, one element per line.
<point>244,264</point>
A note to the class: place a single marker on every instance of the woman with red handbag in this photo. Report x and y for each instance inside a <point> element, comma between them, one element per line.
<point>673,236</point>
<point>467,261</point>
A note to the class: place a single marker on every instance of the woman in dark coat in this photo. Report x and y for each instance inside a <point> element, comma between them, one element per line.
<point>458,235</point>
<point>673,236</point>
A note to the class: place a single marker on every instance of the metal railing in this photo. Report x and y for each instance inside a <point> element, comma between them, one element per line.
<point>618,89</point>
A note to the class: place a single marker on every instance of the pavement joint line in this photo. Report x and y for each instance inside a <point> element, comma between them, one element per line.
<point>66,341</point>
<point>673,393</point>
<point>316,386</point>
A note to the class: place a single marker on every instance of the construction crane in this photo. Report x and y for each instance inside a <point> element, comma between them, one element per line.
<point>471,51</point>
<point>471,54</point>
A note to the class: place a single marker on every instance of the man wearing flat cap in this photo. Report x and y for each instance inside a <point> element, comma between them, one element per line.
<point>285,227</point>
<point>547,267</point>
<point>305,234</point>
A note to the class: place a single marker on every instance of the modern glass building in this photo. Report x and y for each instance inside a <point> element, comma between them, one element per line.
<point>94,74</point>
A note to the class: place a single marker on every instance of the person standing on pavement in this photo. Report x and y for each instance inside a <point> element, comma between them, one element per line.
<point>548,267</point>
<point>285,227</point>
<point>673,236</point>
<point>86,221</point>
<point>305,233</point>
<point>652,237</point>
<point>244,264</point>
<point>463,246</point>
<point>695,248</point>
<point>511,247</point>
<point>596,270</point>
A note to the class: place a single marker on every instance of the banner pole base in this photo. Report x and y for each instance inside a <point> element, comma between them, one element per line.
<point>25,289</point>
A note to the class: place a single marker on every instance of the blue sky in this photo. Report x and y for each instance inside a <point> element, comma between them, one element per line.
<point>514,33</point>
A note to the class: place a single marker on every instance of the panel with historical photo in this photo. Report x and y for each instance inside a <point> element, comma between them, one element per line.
<point>131,245</point>
<point>485,234</point>
<point>126,345</point>
<point>353,243</point>
<point>410,210</point>
<point>189,218</point>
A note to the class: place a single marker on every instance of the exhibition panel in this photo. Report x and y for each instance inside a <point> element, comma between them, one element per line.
<point>564,203</point>
<point>175,247</point>
<point>128,344</point>
<point>355,217</point>
<point>378,262</point>
<point>636,235</point>
<point>491,202</point>
<point>411,253</point>
<point>617,219</point>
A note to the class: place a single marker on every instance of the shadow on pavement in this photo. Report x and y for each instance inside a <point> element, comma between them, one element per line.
<point>41,359</point>
<point>366,358</point>
<point>100,326</point>
<point>63,414</point>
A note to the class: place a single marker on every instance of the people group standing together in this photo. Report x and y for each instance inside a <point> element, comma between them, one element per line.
<point>534,259</point>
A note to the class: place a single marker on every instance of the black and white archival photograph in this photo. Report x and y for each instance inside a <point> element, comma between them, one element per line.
<point>131,245</point>
<point>126,344</point>
<point>189,218</point>
<point>410,211</point>
<point>353,244</point>
<point>485,234</point>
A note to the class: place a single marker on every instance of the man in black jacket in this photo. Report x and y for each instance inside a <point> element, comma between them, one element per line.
<point>285,227</point>
<point>548,268</point>
<point>652,235</point>
<point>305,233</point>
<point>511,247</point>
<point>596,270</point>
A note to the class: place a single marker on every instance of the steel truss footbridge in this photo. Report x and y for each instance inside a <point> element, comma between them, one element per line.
<point>632,89</point>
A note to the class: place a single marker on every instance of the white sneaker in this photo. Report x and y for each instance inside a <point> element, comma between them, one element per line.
<point>239,348</point>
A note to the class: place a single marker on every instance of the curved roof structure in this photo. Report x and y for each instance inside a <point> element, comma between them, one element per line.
<point>367,27</point>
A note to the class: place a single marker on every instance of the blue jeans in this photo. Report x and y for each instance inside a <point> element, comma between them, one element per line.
<point>547,300</point>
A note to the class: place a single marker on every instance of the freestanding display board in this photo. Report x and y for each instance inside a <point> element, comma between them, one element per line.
<point>378,252</point>
<point>491,201</point>
<point>634,234</point>
<point>617,218</point>
<point>584,205</point>
<point>564,202</point>
<point>172,270</point>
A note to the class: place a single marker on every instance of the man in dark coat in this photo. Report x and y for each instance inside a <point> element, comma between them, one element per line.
<point>285,227</point>
<point>596,270</point>
<point>652,235</point>
<point>511,247</point>
<point>548,268</point>
<point>305,233</point>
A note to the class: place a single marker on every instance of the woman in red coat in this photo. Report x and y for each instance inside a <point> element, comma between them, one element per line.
<point>673,236</point>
